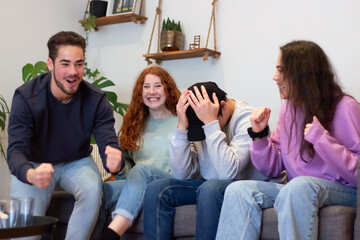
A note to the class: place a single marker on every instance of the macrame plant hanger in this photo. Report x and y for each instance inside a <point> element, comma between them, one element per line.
<point>158,20</point>
<point>212,22</point>
<point>133,19</point>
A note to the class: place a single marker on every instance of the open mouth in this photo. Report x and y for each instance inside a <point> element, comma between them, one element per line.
<point>71,82</point>
<point>152,99</point>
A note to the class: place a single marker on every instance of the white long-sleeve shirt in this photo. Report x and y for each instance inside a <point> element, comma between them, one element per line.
<point>222,155</point>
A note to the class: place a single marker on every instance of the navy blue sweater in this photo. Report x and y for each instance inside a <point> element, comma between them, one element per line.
<point>43,130</point>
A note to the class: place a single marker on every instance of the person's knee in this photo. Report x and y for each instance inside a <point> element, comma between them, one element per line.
<point>240,189</point>
<point>154,189</point>
<point>299,186</point>
<point>209,190</point>
<point>91,192</point>
<point>140,173</point>
<point>298,189</point>
<point>137,169</point>
<point>159,190</point>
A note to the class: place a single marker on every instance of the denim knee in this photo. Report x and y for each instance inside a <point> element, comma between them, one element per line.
<point>137,170</point>
<point>297,189</point>
<point>154,189</point>
<point>212,189</point>
<point>91,192</point>
<point>238,189</point>
<point>146,173</point>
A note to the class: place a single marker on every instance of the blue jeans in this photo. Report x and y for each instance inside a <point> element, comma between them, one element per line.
<point>82,179</point>
<point>295,203</point>
<point>130,202</point>
<point>112,191</point>
<point>163,195</point>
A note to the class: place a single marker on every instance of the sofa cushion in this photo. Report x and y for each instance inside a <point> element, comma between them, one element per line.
<point>269,229</point>
<point>335,222</point>
<point>184,221</point>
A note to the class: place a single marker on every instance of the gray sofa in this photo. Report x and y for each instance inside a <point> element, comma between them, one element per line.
<point>335,222</point>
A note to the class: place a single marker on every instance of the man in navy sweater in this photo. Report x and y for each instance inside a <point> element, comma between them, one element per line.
<point>51,122</point>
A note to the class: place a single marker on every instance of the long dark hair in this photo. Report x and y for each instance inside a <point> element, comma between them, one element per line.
<point>314,87</point>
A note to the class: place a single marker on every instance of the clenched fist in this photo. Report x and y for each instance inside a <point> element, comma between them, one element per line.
<point>113,159</point>
<point>40,176</point>
<point>259,118</point>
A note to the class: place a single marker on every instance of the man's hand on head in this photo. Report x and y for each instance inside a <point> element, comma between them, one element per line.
<point>205,110</point>
<point>181,108</point>
<point>40,176</point>
<point>113,159</point>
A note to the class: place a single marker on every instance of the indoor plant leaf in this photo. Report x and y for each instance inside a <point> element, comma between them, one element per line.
<point>103,82</point>
<point>30,71</point>
<point>4,110</point>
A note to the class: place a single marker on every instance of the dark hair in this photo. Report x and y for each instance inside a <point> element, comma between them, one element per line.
<point>313,85</point>
<point>64,38</point>
<point>211,87</point>
<point>134,119</point>
<point>195,129</point>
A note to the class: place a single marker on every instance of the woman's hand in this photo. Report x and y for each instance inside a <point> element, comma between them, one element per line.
<point>259,118</point>
<point>309,125</point>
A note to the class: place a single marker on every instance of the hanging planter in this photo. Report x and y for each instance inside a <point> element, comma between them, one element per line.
<point>191,53</point>
<point>171,41</point>
<point>171,38</point>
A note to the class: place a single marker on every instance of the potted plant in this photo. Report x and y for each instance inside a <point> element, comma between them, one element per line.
<point>171,38</point>
<point>4,110</point>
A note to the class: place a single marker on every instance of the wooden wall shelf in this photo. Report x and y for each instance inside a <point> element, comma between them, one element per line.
<point>193,53</point>
<point>120,18</point>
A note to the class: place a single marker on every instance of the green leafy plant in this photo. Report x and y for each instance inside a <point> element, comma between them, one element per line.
<point>94,76</point>
<point>4,110</point>
<point>89,22</point>
<point>30,71</point>
<point>102,82</point>
<point>170,25</point>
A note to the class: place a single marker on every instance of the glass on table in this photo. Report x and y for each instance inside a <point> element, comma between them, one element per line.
<point>26,211</point>
<point>9,213</point>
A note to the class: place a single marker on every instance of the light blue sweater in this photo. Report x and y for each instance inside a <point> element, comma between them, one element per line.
<point>155,148</point>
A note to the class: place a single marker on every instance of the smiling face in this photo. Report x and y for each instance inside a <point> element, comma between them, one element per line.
<point>281,82</point>
<point>154,96</point>
<point>66,72</point>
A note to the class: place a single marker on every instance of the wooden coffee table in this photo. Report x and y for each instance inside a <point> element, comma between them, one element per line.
<point>40,225</point>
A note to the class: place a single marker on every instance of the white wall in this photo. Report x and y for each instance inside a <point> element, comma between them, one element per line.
<point>249,33</point>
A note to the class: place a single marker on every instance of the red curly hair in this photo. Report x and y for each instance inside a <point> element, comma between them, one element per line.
<point>130,134</point>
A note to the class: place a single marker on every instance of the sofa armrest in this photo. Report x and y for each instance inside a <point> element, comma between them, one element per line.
<point>357,219</point>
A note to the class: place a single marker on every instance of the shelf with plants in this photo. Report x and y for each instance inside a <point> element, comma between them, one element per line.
<point>171,40</point>
<point>191,53</point>
<point>121,18</point>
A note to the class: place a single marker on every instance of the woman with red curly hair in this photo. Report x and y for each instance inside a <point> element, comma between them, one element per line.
<point>148,125</point>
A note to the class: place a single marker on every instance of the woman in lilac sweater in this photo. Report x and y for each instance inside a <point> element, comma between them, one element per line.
<point>317,142</point>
